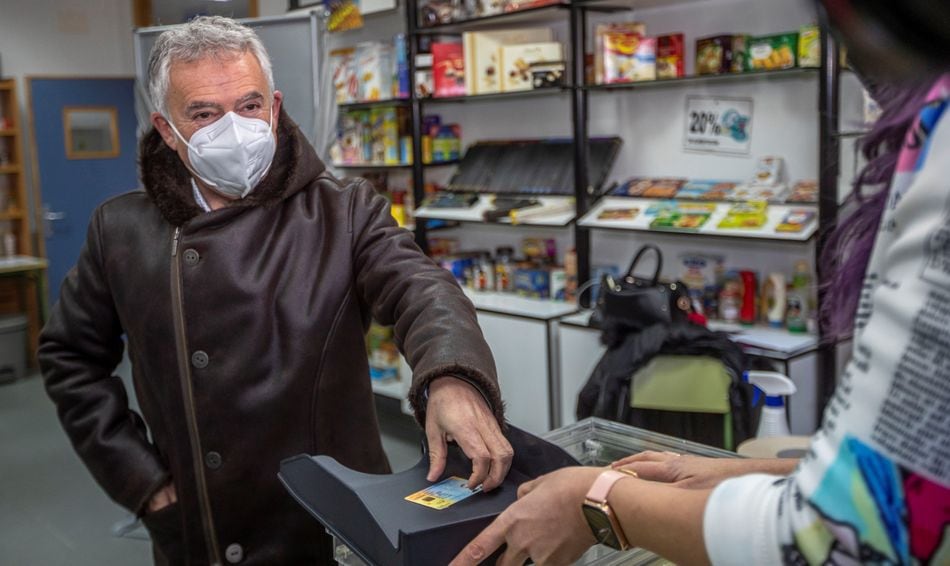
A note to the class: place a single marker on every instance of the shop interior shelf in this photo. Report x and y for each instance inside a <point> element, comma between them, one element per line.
<point>796,72</point>
<point>635,4</point>
<point>382,167</point>
<point>541,13</point>
<point>508,303</point>
<point>497,96</point>
<point>554,211</point>
<point>373,103</point>
<point>641,222</point>
<point>760,339</point>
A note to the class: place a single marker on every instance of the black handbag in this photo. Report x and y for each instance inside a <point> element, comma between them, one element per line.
<point>633,303</point>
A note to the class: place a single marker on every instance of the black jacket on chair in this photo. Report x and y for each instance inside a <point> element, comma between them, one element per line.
<point>607,391</point>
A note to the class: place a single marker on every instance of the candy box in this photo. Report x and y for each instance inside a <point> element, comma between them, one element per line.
<point>616,47</point>
<point>706,190</point>
<point>346,84</point>
<point>771,52</point>
<point>796,220</point>
<point>374,67</point>
<point>533,283</point>
<point>629,57</point>
<point>714,55</point>
<point>516,61</point>
<point>448,69</point>
<point>746,215</point>
<point>770,193</point>
<point>804,191</point>
<point>650,188</point>
<point>670,56</point>
<point>809,46</point>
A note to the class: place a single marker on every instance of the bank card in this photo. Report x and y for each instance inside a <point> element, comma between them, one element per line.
<point>444,494</point>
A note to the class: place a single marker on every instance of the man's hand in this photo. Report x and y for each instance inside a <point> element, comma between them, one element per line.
<point>162,498</point>
<point>697,472</point>
<point>456,411</point>
<point>546,524</point>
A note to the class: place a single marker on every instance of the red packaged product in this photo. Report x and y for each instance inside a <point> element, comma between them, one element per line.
<point>670,56</point>
<point>448,69</point>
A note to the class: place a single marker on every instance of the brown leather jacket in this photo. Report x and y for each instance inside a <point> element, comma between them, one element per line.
<point>245,329</point>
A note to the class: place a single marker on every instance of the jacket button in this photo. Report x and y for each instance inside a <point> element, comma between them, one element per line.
<point>213,460</point>
<point>199,359</point>
<point>234,553</point>
<point>191,256</point>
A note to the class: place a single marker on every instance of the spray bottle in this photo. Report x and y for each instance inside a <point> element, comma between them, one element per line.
<point>774,420</point>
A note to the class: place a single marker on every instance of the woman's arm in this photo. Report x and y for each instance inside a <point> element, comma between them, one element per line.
<point>697,472</point>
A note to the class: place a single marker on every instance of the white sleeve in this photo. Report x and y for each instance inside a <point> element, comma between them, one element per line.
<point>874,486</point>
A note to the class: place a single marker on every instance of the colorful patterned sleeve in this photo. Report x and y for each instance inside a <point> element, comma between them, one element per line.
<point>875,484</point>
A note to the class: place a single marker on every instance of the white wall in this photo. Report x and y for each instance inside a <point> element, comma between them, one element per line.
<point>77,38</point>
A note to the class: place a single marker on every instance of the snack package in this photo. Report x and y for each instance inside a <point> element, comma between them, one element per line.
<point>539,250</point>
<point>516,61</point>
<point>804,191</point>
<point>670,56</point>
<point>706,190</point>
<point>615,44</point>
<point>771,52</point>
<point>448,69</point>
<point>714,55</point>
<point>809,46</point>
<point>740,53</point>
<point>751,215</point>
<point>374,64</point>
<point>768,170</point>
<point>345,82</point>
<point>618,213</point>
<point>401,67</point>
<point>650,188</point>
<point>749,192</point>
<point>533,283</point>
<point>549,74</point>
<point>679,220</point>
<point>628,57</point>
<point>796,220</point>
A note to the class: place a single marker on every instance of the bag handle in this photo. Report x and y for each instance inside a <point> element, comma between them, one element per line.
<point>659,261</point>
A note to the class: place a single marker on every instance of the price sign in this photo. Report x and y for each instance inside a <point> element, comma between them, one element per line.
<point>715,124</point>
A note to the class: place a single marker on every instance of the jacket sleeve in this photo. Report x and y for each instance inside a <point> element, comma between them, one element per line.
<point>434,322</point>
<point>79,348</point>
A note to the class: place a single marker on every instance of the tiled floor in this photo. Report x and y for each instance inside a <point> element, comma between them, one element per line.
<point>51,511</point>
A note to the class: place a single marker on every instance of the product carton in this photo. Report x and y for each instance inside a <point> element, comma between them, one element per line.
<point>483,55</point>
<point>516,63</point>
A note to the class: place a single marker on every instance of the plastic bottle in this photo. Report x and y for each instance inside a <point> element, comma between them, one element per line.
<point>503,271</point>
<point>774,420</point>
<point>773,299</point>
<point>730,298</point>
<point>798,299</point>
<point>749,294</point>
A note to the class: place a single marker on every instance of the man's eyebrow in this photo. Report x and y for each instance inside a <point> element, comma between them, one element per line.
<point>248,97</point>
<point>200,104</point>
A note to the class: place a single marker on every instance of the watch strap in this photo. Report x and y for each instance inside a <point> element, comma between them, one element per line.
<point>603,484</point>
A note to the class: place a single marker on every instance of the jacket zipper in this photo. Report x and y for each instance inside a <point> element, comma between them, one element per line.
<point>184,372</point>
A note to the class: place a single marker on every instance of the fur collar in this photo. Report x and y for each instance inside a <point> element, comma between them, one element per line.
<point>168,182</point>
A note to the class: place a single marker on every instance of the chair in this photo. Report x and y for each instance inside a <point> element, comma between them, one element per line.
<point>685,396</point>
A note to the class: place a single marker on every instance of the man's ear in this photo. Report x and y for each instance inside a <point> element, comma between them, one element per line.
<point>165,130</point>
<point>278,99</point>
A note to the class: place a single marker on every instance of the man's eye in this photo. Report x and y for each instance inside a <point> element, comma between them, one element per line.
<point>252,107</point>
<point>201,116</point>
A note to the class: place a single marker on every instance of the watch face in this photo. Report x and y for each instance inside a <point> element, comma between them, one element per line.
<point>600,525</point>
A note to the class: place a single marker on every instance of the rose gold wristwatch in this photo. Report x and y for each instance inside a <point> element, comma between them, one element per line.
<point>600,517</point>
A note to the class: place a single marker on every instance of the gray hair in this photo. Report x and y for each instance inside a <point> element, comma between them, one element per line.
<point>204,36</point>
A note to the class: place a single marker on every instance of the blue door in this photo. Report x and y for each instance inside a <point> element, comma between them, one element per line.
<point>84,131</point>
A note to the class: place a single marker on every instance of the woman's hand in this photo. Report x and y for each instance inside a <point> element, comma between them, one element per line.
<point>697,472</point>
<point>546,524</point>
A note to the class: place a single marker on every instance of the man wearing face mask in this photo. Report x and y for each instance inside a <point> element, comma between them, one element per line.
<point>244,278</point>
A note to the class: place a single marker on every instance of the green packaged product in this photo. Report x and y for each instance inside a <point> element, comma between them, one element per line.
<point>772,52</point>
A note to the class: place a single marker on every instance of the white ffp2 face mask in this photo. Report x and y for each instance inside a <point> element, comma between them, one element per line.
<point>233,154</point>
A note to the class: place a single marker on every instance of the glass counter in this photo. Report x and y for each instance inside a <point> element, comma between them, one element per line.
<point>597,442</point>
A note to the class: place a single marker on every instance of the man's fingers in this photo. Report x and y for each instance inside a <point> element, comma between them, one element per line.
<point>482,546</point>
<point>437,452</point>
<point>501,456</point>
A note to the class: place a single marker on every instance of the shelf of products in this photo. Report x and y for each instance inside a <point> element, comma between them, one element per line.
<point>546,91</point>
<point>511,304</point>
<point>381,167</point>
<point>373,104</point>
<point>544,11</point>
<point>795,72</point>
<point>553,211</point>
<point>627,213</point>
<point>758,339</point>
